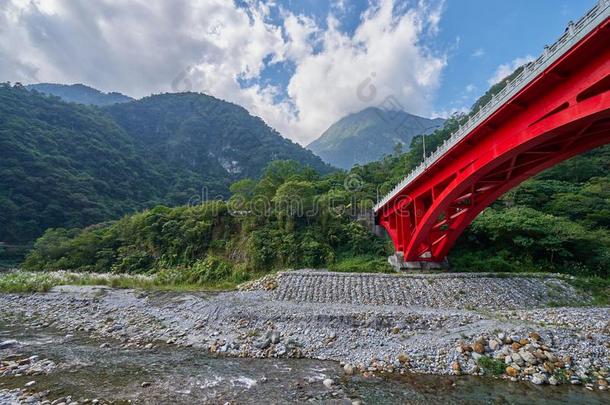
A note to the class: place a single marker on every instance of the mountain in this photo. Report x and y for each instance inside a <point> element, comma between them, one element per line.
<point>79,93</point>
<point>71,165</point>
<point>368,135</point>
<point>203,134</point>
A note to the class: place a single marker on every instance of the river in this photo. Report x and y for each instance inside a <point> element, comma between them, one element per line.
<point>186,375</point>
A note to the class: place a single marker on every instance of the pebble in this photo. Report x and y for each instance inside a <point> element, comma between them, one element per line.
<point>8,343</point>
<point>538,379</point>
<point>263,344</point>
<point>479,347</point>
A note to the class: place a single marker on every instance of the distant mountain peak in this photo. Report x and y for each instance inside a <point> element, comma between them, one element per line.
<point>80,93</point>
<point>368,135</point>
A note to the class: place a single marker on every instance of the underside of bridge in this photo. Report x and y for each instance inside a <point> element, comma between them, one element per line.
<point>563,112</point>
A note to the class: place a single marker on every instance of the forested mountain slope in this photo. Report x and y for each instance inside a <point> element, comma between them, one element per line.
<point>203,134</point>
<point>368,135</point>
<point>70,165</point>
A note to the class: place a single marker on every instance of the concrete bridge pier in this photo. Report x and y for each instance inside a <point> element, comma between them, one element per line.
<point>399,264</point>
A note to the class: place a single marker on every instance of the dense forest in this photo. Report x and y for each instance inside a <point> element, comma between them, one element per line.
<point>272,223</point>
<point>70,165</point>
<point>198,134</point>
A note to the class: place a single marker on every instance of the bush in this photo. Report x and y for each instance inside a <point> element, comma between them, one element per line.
<point>491,366</point>
<point>208,271</point>
<point>524,239</point>
<point>362,264</point>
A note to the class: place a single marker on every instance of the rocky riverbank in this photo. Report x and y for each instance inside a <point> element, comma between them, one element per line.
<point>17,396</point>
<point>528,342</point>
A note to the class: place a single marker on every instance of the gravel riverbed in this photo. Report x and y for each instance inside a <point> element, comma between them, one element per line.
<point>522,340</point>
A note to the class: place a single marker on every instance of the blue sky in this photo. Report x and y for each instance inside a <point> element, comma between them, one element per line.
<point>477,37</point>
<point>299,65</point>
<point>482,35</point>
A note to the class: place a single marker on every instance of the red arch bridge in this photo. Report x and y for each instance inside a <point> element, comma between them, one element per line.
<point>556,108</point>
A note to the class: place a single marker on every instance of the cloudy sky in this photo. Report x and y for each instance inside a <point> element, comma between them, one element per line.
<point>298,64</point>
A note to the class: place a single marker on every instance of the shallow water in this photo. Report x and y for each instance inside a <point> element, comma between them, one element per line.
<point>185,375</point>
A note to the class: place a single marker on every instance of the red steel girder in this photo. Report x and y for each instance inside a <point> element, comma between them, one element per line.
<point>563,112</point>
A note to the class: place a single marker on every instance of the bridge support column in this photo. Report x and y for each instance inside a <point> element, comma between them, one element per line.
<point>399,264</point>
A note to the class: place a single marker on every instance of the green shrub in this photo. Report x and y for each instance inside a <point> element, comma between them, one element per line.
<point>361,264</point>
<point>598,287</point>
<point>208,271</point>
<point>491,366</point>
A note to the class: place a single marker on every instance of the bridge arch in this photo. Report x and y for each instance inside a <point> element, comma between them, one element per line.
<point>561,112</point>
<point>474,190</point>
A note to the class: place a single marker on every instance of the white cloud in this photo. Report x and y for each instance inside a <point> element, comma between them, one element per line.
<point>506,69</point>
<point>382,56</point>
<point>451,111</point>
<point>340,5</point>
<point>140,47</point>
<point>477,53</point>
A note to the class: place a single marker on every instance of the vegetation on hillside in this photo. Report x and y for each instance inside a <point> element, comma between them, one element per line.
<point>290,218</point>
<point>69,165</point>
<point>65,165</point>
<point>293,217</point>
<point>208,141</point>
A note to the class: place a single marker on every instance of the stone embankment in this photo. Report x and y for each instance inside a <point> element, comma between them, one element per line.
<point>432,327</point>
<point>446,290</point>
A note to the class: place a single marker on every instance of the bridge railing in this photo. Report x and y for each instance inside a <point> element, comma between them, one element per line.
<point>573,33</point>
